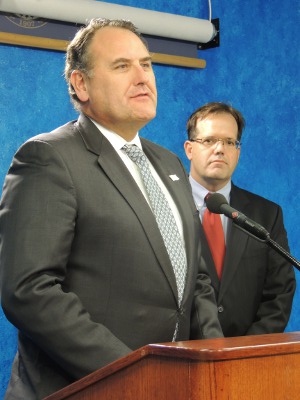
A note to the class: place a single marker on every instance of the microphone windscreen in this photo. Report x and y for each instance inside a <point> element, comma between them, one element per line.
<point>214,203</point>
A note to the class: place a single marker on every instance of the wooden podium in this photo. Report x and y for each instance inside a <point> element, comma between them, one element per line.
<point>259,367</point>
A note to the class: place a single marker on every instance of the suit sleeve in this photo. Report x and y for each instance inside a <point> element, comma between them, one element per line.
<point>204,322</point>
<point>279,287</point>
<point>37,224</point>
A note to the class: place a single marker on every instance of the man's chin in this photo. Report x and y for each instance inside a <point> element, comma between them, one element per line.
<point>218,178</point>
<point>146,116</point>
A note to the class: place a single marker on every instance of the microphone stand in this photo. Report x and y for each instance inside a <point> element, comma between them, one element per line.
<point>279,249</point>
<point>283,252</point>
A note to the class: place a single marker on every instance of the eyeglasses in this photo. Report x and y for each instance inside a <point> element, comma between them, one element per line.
<point>212,141</point>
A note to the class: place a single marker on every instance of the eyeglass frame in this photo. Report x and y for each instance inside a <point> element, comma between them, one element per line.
<point>237,143</point>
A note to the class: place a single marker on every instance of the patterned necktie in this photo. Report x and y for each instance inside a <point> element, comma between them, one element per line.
<point>164,217</point>
<point>213,229</point>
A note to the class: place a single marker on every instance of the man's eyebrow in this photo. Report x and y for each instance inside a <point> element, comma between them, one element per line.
<point>127,60</point>
<point>148,58</point>
<point>119,60</point>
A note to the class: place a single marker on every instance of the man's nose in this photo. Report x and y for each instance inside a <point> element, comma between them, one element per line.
<point>219,146</point>
<point>140,75</point>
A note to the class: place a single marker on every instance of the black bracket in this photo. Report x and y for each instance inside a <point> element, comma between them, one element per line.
<point>215,42</point>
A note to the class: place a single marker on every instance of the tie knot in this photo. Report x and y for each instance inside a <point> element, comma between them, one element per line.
<point>134,152</point>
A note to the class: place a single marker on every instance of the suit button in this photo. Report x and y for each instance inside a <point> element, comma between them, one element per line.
<point>220,309</point>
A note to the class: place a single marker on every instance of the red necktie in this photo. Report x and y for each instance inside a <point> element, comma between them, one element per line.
<point>213,229</point>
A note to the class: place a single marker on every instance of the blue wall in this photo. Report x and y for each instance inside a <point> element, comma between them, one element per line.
<point>256,68</point>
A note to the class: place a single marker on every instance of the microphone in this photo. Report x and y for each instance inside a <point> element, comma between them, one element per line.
<point>217,204</point>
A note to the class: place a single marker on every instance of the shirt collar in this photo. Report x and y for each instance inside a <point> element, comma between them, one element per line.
<point>199,192</point>
<point>116,140</point>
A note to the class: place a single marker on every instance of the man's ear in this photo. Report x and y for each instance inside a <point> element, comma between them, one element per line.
<point>77,80</point>
<point>188,149</point>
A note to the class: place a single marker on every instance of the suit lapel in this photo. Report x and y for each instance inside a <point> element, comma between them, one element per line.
<point>237,241</point>
<point>114,168</point>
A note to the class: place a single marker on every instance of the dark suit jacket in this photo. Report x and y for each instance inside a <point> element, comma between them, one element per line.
<point>85,275</point>
<point>257,287</point>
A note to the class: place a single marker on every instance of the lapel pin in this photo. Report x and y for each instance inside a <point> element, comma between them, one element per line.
<point>174,177</point>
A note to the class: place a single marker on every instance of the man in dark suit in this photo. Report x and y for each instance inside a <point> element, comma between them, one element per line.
<point>255,288</point>
<point>85,274</point>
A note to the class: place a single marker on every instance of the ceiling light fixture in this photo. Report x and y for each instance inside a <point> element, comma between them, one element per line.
<point>148,22</point>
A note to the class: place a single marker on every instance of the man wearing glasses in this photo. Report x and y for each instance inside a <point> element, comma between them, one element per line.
<point>254,286</point>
